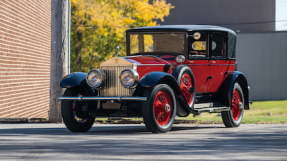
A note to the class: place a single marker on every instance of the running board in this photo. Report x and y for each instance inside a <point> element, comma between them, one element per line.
<point>213,110</point>
<point>208,107</point>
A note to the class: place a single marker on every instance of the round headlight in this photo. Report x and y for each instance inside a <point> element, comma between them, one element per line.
<point>129,78</point>
<point>95,78</point>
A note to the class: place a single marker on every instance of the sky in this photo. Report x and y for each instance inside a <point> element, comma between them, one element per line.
<point>281,15</point>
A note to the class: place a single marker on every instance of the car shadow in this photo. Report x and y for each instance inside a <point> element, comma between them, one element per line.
<point>96,130</point>
<point>127,142</point>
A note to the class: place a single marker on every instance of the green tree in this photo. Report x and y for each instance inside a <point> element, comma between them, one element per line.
<point>98,27</point>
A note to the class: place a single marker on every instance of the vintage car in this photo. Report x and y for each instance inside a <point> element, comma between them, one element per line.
<point>169,71</point>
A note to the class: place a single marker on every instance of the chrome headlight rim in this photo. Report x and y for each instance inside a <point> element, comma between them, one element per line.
<point>135,76</point>
<point>98,82</point>
<point>180,58</point>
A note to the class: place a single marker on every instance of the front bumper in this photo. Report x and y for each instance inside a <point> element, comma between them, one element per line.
<point>104,98</point>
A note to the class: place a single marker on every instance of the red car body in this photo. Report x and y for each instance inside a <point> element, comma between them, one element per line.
<point>168,71</point>
<point>218,70</point>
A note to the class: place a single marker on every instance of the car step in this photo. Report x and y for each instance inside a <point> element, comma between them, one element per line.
<point>208,107</point>
<point>213,110</point>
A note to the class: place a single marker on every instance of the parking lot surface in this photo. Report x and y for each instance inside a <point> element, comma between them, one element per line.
<point>132,142</point>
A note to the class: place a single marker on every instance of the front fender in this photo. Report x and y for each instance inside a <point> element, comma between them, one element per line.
<point>152,79</point>
<point>73,80</point>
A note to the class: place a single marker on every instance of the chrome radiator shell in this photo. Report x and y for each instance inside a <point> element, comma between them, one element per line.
<point>112,85</point>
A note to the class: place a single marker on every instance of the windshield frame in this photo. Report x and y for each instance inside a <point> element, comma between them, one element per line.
<point>128,49</point>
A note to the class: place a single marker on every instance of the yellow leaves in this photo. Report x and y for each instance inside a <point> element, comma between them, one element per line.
<point>128,20</point>
<point>162,9</point>
<point>99,26</point>
<point>143,11</point>
<point>119,13</point>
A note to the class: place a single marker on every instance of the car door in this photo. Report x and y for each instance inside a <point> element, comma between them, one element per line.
<point>198,59</point>
<point>218,62</point>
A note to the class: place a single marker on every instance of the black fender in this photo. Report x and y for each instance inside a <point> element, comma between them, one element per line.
<point>224,93</point>
<point>77,81</point>
<point>73,80</point>
<point>152,79</point>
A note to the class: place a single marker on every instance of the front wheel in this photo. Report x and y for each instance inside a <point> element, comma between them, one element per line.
<point>75,113</point>
<point>233,117</point>
<point>160,109</point>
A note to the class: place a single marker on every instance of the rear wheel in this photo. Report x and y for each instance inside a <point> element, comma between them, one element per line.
<point>160,109</point>
<point>233,117</point>
<point>75,113</point>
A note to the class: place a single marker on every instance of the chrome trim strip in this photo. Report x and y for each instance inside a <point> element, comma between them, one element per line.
<point>210,64</point>
<point>198,64</point>
<point>220,64</point>
<point>151,64</point>
<point>104,98</point>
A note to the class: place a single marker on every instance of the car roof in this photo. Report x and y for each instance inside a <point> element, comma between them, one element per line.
<point>182,28</point>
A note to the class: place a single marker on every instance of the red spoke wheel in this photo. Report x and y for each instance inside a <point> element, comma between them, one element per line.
<point>160,109</point>
<point>233,117</point>
<point>236,104</point>
<point>186,85</point>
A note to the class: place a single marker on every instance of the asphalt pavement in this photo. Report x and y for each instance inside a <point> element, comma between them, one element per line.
<point>41,142</point>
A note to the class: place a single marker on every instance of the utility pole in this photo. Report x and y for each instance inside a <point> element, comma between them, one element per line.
<point>60,54</point>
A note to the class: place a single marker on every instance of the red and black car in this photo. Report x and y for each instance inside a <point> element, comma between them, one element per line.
<point>169,71</point>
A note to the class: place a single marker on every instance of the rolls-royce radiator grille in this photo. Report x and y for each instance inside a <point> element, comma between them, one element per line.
<point>112,84</point>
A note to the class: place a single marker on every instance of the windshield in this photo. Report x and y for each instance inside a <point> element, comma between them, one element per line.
<point>157,43</point>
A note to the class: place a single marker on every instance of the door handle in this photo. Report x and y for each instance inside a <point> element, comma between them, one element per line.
<point>209,77</point>
<point>213,61</point>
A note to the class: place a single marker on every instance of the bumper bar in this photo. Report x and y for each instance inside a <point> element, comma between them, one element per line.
<point>104,98</point>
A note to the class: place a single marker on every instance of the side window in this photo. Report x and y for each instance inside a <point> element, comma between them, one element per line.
<point>198,45</point>
<point>231,45</point>
<point>218,44</point>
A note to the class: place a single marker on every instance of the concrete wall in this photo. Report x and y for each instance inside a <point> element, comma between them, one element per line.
<point>244,15</point>
<point>263,58</point>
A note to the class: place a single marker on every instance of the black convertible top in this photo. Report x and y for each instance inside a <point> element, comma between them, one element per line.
<point>182,28</point>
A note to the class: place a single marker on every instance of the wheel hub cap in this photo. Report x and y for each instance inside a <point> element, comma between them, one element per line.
<point>167,108</point>
<point>162,108</point>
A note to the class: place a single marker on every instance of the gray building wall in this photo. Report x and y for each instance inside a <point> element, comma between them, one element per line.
<point>263,58</point>
<point>243,15</point>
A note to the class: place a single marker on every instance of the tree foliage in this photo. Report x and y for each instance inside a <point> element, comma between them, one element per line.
<point>98,27</point>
